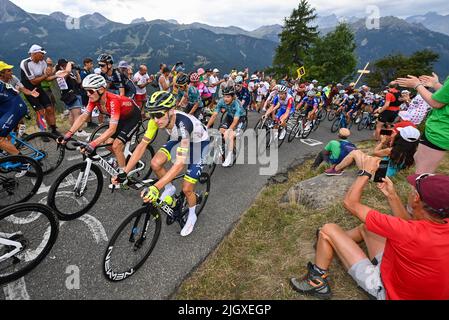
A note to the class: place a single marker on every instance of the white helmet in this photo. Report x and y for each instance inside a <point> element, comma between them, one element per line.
<point>320,88</point>
<point>282,89</point>
<point>239,80</point>
<point>94,81</point>
<point>311,93</point>
<point>342,92</point>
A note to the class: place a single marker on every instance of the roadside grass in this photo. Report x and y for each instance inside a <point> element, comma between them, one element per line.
<point>273,242</point>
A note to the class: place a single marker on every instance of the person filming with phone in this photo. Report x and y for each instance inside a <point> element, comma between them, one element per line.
<point>395,149</point>
<point>407,252</point>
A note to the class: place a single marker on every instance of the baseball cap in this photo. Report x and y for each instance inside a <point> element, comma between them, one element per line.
<point>405,91</point>
<point>62,62</point>
<point>208,70</point>
<point>344,133</point>
<point>180,69</point>
<point>409,134</point>
<point>216,70</point>
<point>97,71</point>
<point>123,64</point>
<point>5,66</point>
<point>36,48</point>
<point>433,190</point>
<point>254,77</point>
<point>226,76</point>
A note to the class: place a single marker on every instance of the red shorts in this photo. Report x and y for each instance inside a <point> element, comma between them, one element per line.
<point>140,99</point>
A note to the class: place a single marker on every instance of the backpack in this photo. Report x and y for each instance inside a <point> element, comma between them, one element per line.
<point>346,148</point>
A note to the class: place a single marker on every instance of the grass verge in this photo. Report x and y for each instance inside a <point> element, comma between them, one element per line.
<point>272,243</point>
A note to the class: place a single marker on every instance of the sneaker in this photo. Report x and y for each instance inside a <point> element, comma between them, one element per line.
<point>333,172</point>
<point>229,160</point>
<point>314,283</point>
<point>282,134</point>
<point>189,226</point>
<point>82,134</point>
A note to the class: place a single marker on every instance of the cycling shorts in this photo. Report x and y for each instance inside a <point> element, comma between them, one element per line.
<point>127,127</point>
<point>282,111</point>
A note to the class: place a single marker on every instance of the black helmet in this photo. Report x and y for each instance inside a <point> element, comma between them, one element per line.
<point>229,91</point>
<point>182,79</point>
<point>105,58</point>
<point>160,101</point>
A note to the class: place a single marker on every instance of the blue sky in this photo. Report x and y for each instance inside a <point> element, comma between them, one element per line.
<point>246,14</point>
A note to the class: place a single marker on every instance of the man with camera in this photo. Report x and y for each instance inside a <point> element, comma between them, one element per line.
<point>408,253</point>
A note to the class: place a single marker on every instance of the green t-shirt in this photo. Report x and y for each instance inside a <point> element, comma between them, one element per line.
<point>334,148</point>
<point>437,125</point>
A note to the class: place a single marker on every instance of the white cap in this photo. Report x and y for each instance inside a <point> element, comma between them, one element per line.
<point>123,64</point>
<point>254,77</point>
<point>405,91</point>
<point>36,49</point>
<point>409,134</point>
<point>216,70</point>
<point>97,71</point>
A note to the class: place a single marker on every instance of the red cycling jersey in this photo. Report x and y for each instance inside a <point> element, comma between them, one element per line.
<point>117,107</point>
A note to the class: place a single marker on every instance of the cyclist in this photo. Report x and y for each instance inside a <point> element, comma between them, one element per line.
<point>284,104</point>
<point>12,108</point>
<point>242,93</point>
<point>182,81</point>
<point>349,108</point>
<point>311,103</point>
<point>123,111</point>
<point>234,115</point>
<point>114,79</point>
<point>192,100</point>
<point>188,144</point>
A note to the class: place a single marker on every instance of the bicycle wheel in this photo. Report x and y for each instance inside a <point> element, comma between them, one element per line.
<point>293,132</point>
<point>32,226</point>
<point>20,179</point>
<point>132,244</point>
<point>103,152</point>
<point>331,115</point>
<point>146,159</point>
<point>68,198</point>
<point>362,124</point>
<point>335,125</point>
<point>49,153</point>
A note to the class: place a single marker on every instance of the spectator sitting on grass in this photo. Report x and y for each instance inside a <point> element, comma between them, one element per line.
<point>408,253</point>
<point>336,150</point>
<point>399,152</point>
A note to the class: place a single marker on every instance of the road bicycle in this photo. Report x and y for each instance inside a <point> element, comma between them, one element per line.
<point>20,179</point>
<point>78,188</point>
<point>341,122</point>
<point>271,135</point>
<point>368,122</point>
<point>28,232</point>
<point>303,127</point>
<point>41,147</point>
<point>136,237</point>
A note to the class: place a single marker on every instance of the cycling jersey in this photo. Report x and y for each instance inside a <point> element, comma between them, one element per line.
<point>115,81</point>
<point>348,106</point>
<point>310,102</point>
<point>285,104</point>
<point>194,96</point>
<point>188,127</point>
<point>234,110</point>
<point>245,96</point>
<point>117,107</point>
<point>12,108</point>
<point>204,91</point>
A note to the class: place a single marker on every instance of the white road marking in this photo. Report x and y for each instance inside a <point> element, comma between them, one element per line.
<point>311,142</point>
<point>16,290</point>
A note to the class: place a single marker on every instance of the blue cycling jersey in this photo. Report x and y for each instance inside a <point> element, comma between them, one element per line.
<point>234,110</point>
<point>244,96</point>
<point>310,102</point>
<point>12,108</point>
<point>289,102</point>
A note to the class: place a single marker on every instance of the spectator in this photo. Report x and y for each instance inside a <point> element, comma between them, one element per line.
<point>214,83</point>
<point>408,253</point>
<point>46,84</point>
<point>141,79</point>
<point>34,70</point>
<point>336,150</point>
<point>389,112</point>
<point>130,88</point>
<point>69,81</point>
<point>164,80</point>
<point>88,68</point>
<point>416,112</point>
<point>435,141</point>
<point>399,152</point>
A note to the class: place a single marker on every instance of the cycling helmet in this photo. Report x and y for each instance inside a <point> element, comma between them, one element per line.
<point>105,58</point>
<point>94,82</point>
<point>376,96</point>
<point>283,83</point>
<point>320,88</point>
<point>229,91</point>
<point>161,101</point>
<point>239,80</point>
<point>351,97</point>
<point>182,80</point>
<point>201,71</point>
<point>342,92</point>
<point>315,81</point>
<point>283,89</point>
<point>194,77</point>
<point>311,93</point>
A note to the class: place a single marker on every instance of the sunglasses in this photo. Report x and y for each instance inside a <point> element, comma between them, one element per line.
<point>418,189</point>
<point>102,65</point>
<point>91,92</point>
<point>157,115</point>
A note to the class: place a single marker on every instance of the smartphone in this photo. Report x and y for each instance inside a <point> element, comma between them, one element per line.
<point>381,173</point>
<point>386,132</point>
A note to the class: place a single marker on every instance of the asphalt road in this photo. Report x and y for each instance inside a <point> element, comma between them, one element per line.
<point>81,244</point>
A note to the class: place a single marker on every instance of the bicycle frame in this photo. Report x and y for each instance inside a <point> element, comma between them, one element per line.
<point>5,242</point>
<point>37,155</point>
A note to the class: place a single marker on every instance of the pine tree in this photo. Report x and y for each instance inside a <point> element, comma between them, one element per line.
<point>297,36</point>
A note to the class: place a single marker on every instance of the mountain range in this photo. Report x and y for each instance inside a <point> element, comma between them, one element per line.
<point>196,44</point>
